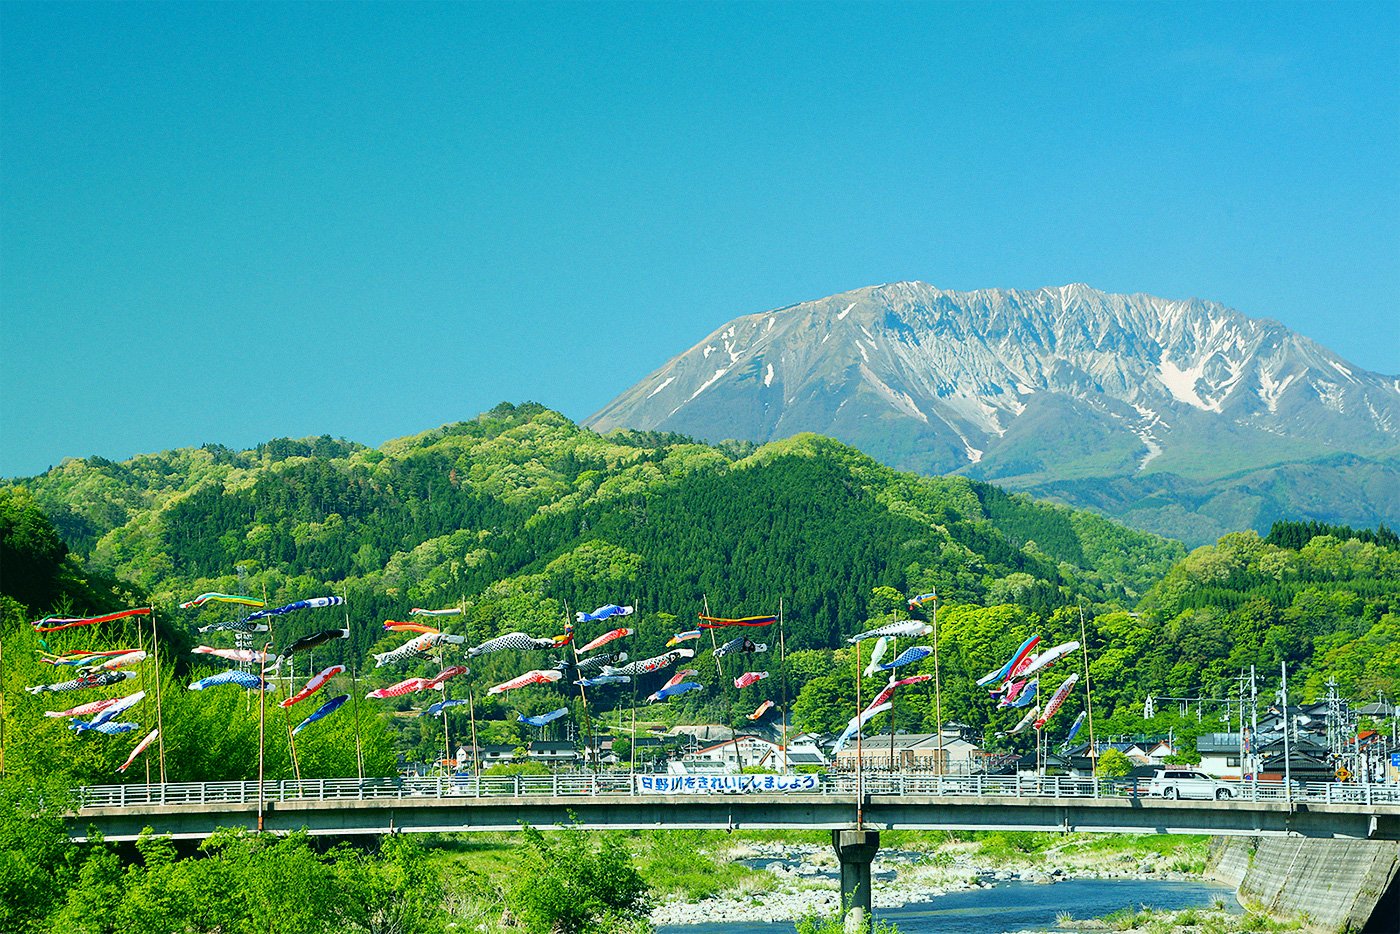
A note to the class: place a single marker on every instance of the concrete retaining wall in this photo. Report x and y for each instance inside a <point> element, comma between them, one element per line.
<point>1329,885</point>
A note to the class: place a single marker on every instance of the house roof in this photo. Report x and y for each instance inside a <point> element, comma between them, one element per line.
<point>736,740</point>
<point>1218,743</point>
<point>545,745</point>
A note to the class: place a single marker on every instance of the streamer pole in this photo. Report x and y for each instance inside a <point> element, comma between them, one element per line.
<point>292,743</point>
<point>160,725</point>
<point>476,749</point>
<point>2,705</point>
<point>354,689</point>
<point>1089,694</point>
<point>937,688</point>
<point>860,752</point>
<point>446,741</point>
<point>894,650</point>
<point>590,735</point>
<point>141,646</point>
<point>782,648</point>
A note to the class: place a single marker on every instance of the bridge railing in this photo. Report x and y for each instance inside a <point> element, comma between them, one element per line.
<point>589,785</point>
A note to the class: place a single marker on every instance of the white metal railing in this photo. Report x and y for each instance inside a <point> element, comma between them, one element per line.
<point>585,784</point>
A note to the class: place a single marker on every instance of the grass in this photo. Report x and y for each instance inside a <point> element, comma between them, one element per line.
<point>1212,920</point>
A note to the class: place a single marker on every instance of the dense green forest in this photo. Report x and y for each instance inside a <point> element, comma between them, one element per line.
<point>520,517</point>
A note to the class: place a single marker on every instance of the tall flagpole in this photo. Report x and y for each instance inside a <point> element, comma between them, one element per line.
<point>782,649</point>
<point>636,602</point>
<point>894,651</point>
<point>590,736</point>
<point>723,687</point>
<point>291,741</point>
<point>476,749</point>
<point>1088,693</point>
<point>354,687</point>
<point>860,752</point>
<point>160,725</point>
<point>141,646</point>
<point>937,688</point>
<point>446,741</point>
<point>262,725</point>
<point>2,705</point>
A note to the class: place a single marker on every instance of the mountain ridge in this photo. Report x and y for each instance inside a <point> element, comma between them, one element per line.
<point>1031,387</point>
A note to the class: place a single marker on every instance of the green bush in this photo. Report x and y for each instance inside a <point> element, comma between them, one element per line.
<point>573,888</point>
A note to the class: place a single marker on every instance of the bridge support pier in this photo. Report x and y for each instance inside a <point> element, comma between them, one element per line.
<point>855,851</point>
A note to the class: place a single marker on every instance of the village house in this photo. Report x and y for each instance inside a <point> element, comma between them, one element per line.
<point>553,752</point>
<point>745,751</point>
<point>913,752</point>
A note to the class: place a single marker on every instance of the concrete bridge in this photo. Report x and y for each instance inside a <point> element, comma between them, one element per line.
<point>1366,816</point>
<point>350,807</point>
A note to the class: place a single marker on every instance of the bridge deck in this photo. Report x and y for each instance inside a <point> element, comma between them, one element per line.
<point>351,807</point>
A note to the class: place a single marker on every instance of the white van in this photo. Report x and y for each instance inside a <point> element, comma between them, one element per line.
<point>1189,783</point>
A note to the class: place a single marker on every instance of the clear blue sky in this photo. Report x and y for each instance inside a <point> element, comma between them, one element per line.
<point>229,223</point>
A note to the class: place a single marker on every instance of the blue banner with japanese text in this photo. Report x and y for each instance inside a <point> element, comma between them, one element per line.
<point>708,784</point>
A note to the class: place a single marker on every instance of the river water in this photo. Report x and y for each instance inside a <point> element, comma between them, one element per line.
<point>1014,906</point>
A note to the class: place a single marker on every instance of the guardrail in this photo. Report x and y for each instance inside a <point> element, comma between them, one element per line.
<point>611,784</point>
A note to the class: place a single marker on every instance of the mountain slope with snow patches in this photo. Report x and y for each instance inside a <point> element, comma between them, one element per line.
<point>1047,390</point>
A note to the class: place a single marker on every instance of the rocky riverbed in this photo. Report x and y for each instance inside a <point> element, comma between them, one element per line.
<point>798,880</point>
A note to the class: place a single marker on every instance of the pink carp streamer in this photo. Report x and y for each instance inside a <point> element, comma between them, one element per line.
<point>140,748</point>
<point>83,710</point>
<point>313,685</point>
<point>752,677</point>
<point>528,678</point>
<point>605,638</point>
<point>414,685</point>
<point>678,677</point>
<point>763,708</point>
<point>393,625</point>
<point>1052,706</point>
<point>447,674</point>
<point>408,686</point>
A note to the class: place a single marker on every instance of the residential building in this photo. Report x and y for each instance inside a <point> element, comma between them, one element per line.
<point>913,752</point>
<point>553,752</point>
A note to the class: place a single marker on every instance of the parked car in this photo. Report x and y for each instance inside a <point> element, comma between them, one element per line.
<point>1190,783</point>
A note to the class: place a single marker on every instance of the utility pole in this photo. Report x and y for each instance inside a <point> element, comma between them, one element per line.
<point>860,752</point>
<point>1254,730</point>
<point>1287,765</point>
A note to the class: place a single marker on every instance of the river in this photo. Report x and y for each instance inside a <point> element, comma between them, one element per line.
<point>1013,906</point>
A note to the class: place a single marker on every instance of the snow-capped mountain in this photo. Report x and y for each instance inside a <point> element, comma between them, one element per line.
<point>1040,389</point>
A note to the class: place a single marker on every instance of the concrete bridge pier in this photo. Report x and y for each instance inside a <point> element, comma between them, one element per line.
<point>855,851</point>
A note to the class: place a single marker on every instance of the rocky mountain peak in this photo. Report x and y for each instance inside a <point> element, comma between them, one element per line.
<point>1025,387</point>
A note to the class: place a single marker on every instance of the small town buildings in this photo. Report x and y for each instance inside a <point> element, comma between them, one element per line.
<point>913,752</point>
<point>553,752</point>
<point>745,751</point>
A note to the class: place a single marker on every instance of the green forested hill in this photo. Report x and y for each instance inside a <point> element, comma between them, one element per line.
<point>650,518</point>
<point>520,515</point>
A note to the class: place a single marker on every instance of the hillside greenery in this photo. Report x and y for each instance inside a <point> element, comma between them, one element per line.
<point>520,518</point>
